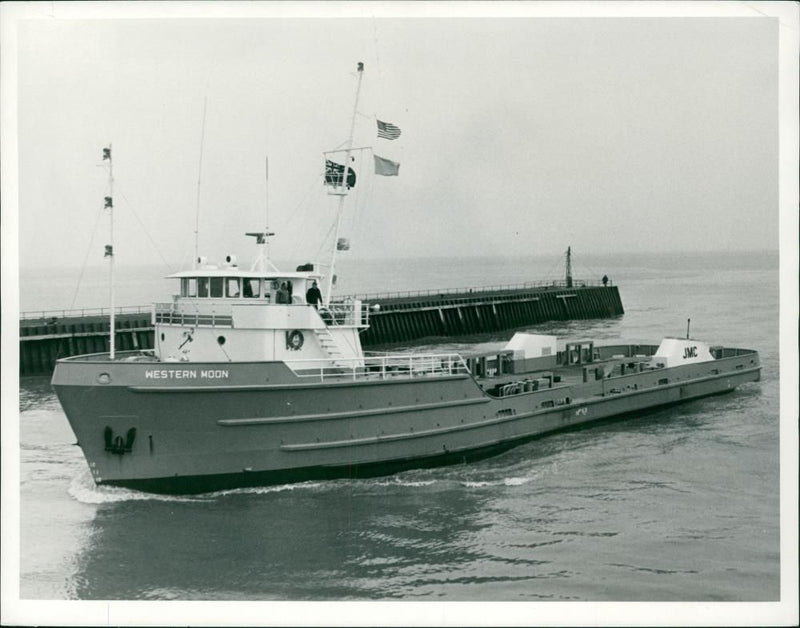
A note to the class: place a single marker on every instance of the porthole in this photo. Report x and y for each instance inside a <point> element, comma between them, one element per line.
<point>220,340</point>
<point>104,378</point>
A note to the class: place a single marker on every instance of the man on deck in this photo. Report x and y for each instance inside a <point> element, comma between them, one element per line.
<point>313,295</point>
<point>282,296</point>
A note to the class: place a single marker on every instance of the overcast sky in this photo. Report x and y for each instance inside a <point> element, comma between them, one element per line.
<point>520,135</point>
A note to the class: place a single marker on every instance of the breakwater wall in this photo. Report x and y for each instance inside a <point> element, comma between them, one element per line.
<point>44,339</point>
<point>403,319</point>
<point>400,317</point>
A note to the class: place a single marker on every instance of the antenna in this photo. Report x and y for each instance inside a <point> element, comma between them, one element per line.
<point>266,193</point>
<point>263,263</point>
<point>342,192</point>
<point>199,174</point>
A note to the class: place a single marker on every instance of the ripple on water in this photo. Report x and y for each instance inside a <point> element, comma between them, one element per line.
<point>513,481</point>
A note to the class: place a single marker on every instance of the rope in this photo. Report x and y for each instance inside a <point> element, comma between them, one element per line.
<point>349,220</point>
<point>357,226</point>
<point>86,258</point>
<point>591,271</point>
<point>144,229</point>
<point>199,176</point>
<point>557,263</point>
<point>300,214</point>
<point>324,240</point>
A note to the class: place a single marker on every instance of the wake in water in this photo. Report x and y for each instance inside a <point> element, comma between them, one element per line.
<point>502,482</point>
<point>83,489</point>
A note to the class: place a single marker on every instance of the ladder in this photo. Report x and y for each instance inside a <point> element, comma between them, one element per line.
<point>330,347</point>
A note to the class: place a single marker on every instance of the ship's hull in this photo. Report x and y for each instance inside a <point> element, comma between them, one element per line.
<point>175,428</point>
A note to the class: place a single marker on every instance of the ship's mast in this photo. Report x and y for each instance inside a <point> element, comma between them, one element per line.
<point>341,189</point>
<point>264,253</point>
<point>109,204</point>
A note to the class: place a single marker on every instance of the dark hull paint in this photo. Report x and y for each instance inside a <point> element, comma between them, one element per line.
<point>198,484</point>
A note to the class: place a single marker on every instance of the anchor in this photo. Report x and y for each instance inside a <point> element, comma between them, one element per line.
<point>118,445</point>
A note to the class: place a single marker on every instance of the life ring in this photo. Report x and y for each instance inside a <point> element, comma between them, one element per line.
<point>294,340</point>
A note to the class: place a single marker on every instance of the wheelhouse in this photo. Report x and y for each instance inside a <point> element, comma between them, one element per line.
<point>250,286</point>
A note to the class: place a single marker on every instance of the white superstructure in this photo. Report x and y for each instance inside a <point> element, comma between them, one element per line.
<point>235,315</point>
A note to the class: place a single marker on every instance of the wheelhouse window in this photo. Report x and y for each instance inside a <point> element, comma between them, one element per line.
<point>202,287</point>
<point>251,288</point>
<point>216,287</point>
<point>232,287</point>
<point>189,287</point>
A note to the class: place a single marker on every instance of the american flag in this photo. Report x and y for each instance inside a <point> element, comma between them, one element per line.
<point>388,131</point>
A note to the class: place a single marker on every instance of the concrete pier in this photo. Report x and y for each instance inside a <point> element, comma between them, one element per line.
<point>401,317</point>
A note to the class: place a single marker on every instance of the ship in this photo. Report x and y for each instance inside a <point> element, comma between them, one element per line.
<point>258,377</point>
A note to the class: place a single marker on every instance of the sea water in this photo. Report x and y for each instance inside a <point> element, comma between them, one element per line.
<point>675,504</point>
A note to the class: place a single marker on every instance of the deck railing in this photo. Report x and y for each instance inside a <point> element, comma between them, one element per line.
<point>146,309</point>
<point>561,283</point>
<point>339,313</point>
<point>345,313</point>
<point>84,312</point>
<point>381,366</point>
<point>167,314</point>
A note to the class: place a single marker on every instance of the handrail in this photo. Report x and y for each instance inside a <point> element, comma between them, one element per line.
<point>146,309</point>
<point>381,366</point>
<point>166,313</point>
<point>337,313</point>
<point>493,288</point>
<point>345,313</point>
<point>92,311</point>
<point>119,356</point>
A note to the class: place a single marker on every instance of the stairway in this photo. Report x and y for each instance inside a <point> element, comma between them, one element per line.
<point>331,347</point>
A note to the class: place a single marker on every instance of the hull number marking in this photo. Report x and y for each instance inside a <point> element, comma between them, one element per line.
<point>581,411</point>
